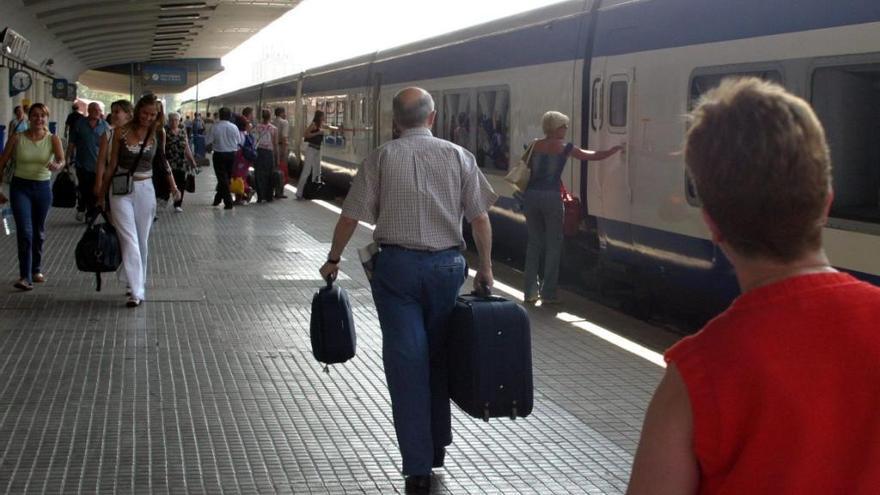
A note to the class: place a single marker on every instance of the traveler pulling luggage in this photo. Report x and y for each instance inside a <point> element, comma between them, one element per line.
<point>332,326</point>
<point>98,250</point>
<point>490,357</point>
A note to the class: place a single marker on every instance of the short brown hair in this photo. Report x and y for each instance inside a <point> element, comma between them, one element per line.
<point>761,166</point>
<point>38,106</point>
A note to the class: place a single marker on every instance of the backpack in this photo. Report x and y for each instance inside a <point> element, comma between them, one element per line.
<point>249,148</point>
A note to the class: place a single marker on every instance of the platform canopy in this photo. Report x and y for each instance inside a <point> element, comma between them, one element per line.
<point>114,39</point>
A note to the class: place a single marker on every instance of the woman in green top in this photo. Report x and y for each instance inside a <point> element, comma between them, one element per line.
<point>30,190</point>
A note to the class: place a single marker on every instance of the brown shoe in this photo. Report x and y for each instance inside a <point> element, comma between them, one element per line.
<point>39,278</point>
<point>23,285</point>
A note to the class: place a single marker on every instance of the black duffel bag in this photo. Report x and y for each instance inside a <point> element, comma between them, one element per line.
<point>332,326</point>
<point>64,190</point>
<point>98,250</point>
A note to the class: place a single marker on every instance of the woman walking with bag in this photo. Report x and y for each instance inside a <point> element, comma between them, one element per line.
<point>314,136</point>
<point>267,150</point>
<point>30,190</point>
<point>120,114</point>
<point>133,198</point>
<point>179,156</point>
<point>544,210</point>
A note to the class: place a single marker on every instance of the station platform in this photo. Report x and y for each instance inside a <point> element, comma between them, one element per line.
<point>210,385</point>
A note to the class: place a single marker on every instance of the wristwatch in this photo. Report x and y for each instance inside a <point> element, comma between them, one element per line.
<point>332,261</point>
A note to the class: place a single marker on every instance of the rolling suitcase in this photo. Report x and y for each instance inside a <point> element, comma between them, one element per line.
<point>332,326</point>
<point>490,357</point>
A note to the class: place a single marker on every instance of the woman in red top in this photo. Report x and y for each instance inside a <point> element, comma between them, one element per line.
<point>779,393</point>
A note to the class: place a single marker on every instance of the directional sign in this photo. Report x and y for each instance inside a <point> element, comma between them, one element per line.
<point>163,75</point>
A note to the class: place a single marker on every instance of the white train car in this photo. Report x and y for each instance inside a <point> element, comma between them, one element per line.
<point>627,72</point>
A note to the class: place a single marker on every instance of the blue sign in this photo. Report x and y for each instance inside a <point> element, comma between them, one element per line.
<point>158,75</point>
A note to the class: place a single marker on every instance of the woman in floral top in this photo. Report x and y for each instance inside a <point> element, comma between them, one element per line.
<point>179,156</point>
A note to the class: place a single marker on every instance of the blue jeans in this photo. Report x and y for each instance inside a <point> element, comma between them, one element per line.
<point>30,201</point>
<point>415,293</point>
<point>544,216</point>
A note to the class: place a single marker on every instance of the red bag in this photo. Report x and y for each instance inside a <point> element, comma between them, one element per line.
<point>571,219</point>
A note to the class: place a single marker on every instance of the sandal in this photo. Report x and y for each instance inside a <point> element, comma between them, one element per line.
<point>23,285</point>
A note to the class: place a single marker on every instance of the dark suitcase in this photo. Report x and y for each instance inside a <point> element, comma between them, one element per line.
<point>316,190</point>
<point>490,357</point>
<point>278,182</point>
<point>64,190</point>
<point>332,326</point>
<point>98,250</point>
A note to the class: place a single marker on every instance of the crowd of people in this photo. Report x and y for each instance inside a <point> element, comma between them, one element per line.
<point>126,162</point>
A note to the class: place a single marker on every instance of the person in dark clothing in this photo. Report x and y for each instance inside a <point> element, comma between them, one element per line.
<point>85,139</point>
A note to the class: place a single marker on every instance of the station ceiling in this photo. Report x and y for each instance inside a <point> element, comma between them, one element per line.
<point>107,35</point>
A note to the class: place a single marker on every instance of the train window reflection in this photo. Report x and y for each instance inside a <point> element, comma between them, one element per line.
<point>493,144</point>
<point>457,119</point>
<point>847,102</point>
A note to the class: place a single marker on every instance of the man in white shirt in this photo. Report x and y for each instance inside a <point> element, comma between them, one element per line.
<point>225,140</point>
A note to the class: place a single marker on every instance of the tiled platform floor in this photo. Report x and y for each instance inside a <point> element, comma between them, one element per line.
<point>210,387</point>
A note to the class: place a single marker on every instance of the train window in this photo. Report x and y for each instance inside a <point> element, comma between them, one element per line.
<point>340,111</point>
<point>493,127</point>
<point>618,92</point>
<point>847,101</point>
<point>703,83</point>
<point>457,119</point>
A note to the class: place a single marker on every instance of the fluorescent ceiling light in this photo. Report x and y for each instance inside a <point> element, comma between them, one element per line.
<point>179,16</point>
<point>181,6</point>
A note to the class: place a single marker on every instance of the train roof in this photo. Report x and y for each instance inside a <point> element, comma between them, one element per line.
<point>558,32</point>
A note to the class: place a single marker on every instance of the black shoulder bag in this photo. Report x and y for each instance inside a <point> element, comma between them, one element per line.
<point>123,183</point>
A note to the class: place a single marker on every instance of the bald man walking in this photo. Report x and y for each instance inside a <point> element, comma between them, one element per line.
<point>417,189</point>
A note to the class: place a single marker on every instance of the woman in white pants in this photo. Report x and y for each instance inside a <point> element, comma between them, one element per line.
<point>134,147</point>
<point>314,137</point>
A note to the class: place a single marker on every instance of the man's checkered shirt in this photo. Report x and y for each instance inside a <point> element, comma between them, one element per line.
<point>416,189</point>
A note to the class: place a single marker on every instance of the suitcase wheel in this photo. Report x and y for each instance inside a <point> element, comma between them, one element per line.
<point>486,412</point>
<point>513,411</point>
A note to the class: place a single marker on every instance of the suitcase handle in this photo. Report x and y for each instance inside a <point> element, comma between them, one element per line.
<point>329,280</point>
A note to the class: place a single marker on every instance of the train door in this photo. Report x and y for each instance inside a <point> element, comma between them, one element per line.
<point>611,194</point>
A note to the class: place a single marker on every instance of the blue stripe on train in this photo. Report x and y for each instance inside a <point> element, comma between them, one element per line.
<point>682,262</point>
<point>672,23</point>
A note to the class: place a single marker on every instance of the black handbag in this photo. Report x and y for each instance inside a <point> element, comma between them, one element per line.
<point>332,326</point>
<point>98,250</point>
<point>122,184</point>
<point>190,185</point>
<point>64,190</point>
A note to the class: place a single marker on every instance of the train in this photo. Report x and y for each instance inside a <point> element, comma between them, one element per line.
<point>627,72</point>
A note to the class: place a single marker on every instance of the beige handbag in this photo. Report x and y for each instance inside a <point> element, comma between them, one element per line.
<point>519,175</point>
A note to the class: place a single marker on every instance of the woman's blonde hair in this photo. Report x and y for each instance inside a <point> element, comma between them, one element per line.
<point>761,166</point>
<point>553,120</point>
